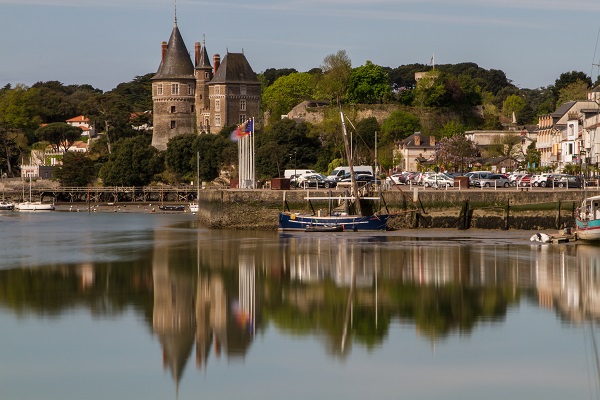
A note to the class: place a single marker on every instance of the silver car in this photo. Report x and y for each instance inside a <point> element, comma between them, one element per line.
<point>494,180</point>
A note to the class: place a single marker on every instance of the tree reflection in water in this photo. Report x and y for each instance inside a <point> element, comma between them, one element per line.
<point>217,291</point>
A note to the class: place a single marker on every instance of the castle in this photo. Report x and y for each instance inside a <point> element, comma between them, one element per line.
<point>198,97</point>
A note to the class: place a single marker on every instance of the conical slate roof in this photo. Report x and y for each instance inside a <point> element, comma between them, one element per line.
<point>204,61</point>
<point>235,69</point>
<point>176,62</point>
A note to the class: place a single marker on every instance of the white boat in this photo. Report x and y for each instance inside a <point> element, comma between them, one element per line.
<point>34,206</point>
<point>587,219</point>
<point>195,206</point>
<point>5,206</point>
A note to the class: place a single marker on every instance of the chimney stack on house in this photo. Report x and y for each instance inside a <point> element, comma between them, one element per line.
<point>216,63</point>
<point>432,140</point>
<point>417,140</point>
<point>196,54</point>
<point>164,50</point>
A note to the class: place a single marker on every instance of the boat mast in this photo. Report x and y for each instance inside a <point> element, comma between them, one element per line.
<point>351,165</point>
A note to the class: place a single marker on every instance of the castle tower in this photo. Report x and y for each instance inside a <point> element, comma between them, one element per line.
<point>203,73</point>
<point>173,92</point>
<point>234,92</point>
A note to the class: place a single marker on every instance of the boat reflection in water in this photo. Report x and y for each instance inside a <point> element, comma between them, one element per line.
<point>212,296</point>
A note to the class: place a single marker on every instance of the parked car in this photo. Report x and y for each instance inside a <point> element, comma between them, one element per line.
<point>362,179</point>
<point>568,181</point>
<point>438,180</point>
<point>493,180</point>
<point>523,181</point>
<point>474,176</point>
<point>540,179</point>
<point>316,181</point>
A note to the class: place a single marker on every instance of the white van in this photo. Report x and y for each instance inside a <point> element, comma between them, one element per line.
<point>288,173</point>
<point>339,172</point>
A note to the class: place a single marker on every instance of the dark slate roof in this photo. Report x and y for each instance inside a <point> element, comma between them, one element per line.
<point>177,62</point>
<point>235,69</point>
<point>410,141</point>
<point>563,109</point>
<point>204,59</point>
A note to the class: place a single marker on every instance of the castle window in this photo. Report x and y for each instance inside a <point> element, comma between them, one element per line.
<point>172,109</point>
<point>206,76</point>
<point>242,118</point>
<point>173,125</point>
<point>159,89</point>
<point>217,89</point>
<point>242,105</point>
<point>193,108</point>
<point>190,89</point>
<point>174,88</point>
<point>243,89</point>
<point>217,120</point>
<point>217,105</point>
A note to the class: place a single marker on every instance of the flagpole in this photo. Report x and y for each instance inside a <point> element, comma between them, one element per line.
<point>253,157</point>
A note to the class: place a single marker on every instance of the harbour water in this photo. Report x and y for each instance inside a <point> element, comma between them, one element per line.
<point>151,306</point>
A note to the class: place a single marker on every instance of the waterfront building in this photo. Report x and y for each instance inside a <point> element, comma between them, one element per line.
<point>197,97</point>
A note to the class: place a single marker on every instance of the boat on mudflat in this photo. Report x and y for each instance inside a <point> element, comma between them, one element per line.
<point>333,223</point>
<point>5,206</point>
<point>34,206</point>
<point>587,219</point>
<point>172,207</point>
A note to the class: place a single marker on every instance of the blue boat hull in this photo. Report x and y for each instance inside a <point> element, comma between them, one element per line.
<point>588,229</point>
<point>295,222</point>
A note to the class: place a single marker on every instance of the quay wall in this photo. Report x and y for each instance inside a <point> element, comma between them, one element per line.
<point>463,209</point>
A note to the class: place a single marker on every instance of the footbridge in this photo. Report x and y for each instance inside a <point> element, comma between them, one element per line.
<point>116,194</point>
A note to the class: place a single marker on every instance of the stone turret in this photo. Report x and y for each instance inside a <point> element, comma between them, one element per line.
<point>173,92</point>
<point>204,74</point>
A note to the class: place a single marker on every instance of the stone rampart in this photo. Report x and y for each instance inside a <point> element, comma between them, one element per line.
<point>491,209</point>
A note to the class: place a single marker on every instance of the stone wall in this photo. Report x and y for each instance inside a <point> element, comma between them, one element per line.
<point>258,209</point>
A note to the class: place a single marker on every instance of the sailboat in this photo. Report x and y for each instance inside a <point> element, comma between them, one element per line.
<point>336,221</point>
<point>195,206</point>
<point>33,205</point>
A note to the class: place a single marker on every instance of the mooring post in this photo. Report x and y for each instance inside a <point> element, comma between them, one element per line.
<point>506,223</point>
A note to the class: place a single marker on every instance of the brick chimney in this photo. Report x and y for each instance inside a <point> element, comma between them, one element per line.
<point>417,140</point>
<point>196,53</point>
<point>164,47</point>
<point>432,140</point>
<point>216,63</point>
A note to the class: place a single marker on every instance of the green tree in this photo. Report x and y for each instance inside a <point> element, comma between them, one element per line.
<point>368,84</point>
<point>111,112</point>
<point>133,163</point>
<point>507,145</point>
<point>137,93</point>
<point>60,135</point>
<point>577,90</point>
<point>297,148</point>
<point>17,118</point>
<point>216,153</point>
<point>77,170</point>
<point>398,125</point>
<point>180,155</point>
<point>336,73</point>
<point>532,157</point>
<point>286,92</point>
<point>513,104</point>
<point>452,128</point>
<point>568,78</point>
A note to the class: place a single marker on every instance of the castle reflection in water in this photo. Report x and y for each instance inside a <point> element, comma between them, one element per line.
<point>209,299</point>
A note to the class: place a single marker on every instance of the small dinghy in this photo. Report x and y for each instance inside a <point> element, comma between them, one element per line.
<point>541,238</point>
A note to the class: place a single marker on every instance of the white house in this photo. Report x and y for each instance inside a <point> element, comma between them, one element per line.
<point>83,123</point>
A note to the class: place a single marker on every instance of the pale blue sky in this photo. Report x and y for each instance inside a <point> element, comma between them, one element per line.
<point>106,42</point>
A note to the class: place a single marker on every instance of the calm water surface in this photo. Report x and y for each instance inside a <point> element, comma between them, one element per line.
<point>150,306</point>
